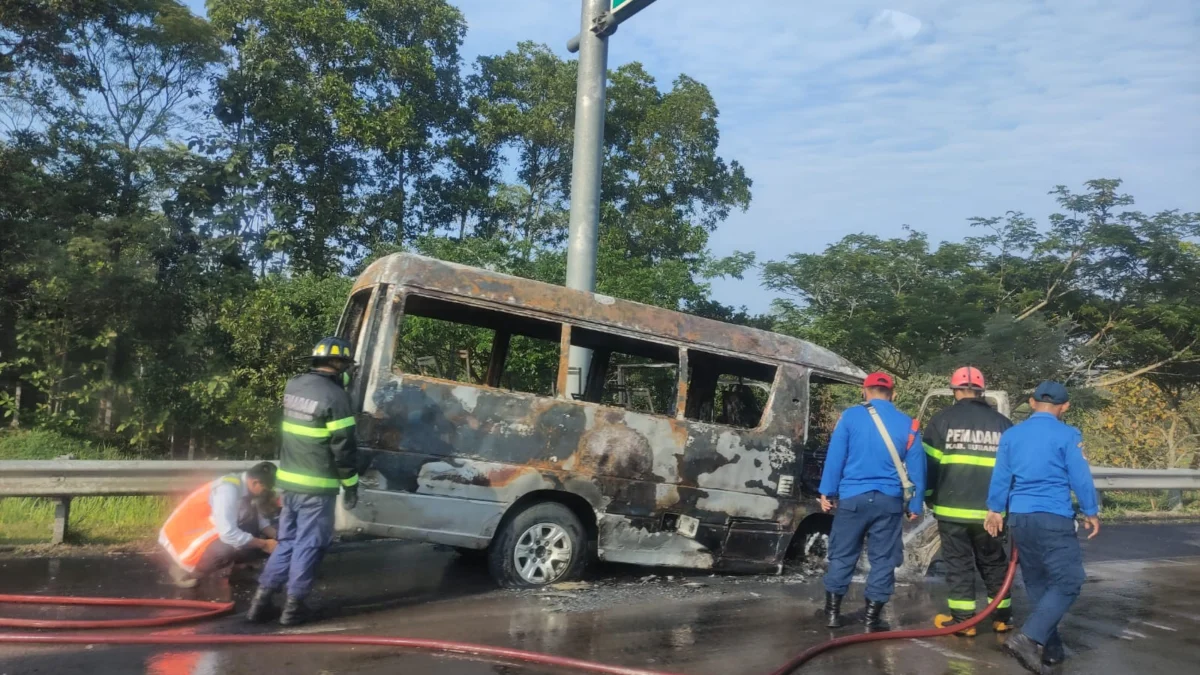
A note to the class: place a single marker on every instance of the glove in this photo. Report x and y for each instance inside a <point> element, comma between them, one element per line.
<point>350,497</point>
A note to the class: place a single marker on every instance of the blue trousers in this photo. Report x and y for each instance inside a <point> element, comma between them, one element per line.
<point>305,531</point>
<point>877,518</point>
<point>1052,566</point>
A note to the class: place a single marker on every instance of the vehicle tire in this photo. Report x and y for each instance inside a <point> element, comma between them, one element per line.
<point>543,544</point>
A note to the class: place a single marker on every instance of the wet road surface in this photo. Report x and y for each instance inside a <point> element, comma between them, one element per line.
<point>1139,613</point>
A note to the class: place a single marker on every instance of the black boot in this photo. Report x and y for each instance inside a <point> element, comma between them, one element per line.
<point>295,612</point>
<point>874,617</point>
<point>833,610</point>
<point>1053,653</point>
<point>261,606</point>
<point>1027,652</point>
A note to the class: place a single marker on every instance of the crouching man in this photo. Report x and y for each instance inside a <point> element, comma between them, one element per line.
<point>223,522</point>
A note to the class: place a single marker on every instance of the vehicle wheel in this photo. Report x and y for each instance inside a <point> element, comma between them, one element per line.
<point>541,545</point>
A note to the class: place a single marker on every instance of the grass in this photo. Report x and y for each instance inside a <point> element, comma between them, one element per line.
<point>94,520</point>
<point>1148,504</point>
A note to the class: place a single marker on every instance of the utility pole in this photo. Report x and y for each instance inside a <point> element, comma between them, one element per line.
<point>586,165</point>
<point>598,19</point>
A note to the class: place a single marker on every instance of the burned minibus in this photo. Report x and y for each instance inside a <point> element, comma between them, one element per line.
<point>680,446</point>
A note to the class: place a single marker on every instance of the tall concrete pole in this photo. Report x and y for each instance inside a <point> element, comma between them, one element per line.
<point>586,164</point>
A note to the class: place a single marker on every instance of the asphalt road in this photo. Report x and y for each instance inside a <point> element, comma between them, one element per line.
<point>1139,613</point>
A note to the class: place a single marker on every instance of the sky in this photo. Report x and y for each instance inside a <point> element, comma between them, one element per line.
<point>859,116</point>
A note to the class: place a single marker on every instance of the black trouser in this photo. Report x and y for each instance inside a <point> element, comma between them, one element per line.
<point>966,548</point>
<point>220,555</point>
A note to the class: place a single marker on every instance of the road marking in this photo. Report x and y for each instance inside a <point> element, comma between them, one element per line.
<point>948,653</point>
<point>1133,633</point>
<point>1158,626</point>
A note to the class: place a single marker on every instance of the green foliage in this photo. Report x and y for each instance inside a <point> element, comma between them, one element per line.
<point>46,444</point>
<point>337,108</point>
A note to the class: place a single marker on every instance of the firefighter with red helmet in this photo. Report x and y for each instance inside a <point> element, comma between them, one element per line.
<point>960,448</point>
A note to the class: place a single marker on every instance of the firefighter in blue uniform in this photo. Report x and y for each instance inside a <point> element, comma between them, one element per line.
<point>1039,464</point>
<point>869,490</point>
<point>318,456</point>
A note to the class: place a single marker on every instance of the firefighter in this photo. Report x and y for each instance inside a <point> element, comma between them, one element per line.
<point>318,456</point>
<point>960,448</point>
<point>221,523</point>
<point>865,479</point>
<point>1039,464</point>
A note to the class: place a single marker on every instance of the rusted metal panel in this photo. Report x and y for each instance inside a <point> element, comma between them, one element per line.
<point>473,285</point>
<point>564,369</point>
<point>485,446</point>
<point>681,384</point>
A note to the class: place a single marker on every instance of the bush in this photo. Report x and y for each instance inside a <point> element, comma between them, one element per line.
<point>43,444</point>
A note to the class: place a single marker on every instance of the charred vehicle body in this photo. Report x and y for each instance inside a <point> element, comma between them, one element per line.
<point>681,447</point>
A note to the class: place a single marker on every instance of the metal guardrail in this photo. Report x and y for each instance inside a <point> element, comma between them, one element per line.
<point>85,478</point>
<point>64,479</point>
<point>1107,478</point>
<point>61,480</point>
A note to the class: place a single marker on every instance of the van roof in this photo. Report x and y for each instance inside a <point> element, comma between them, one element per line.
<point>583,308</point>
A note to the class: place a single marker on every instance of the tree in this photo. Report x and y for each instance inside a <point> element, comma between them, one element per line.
<point>128,71</point>
<point>887,303</point>
<point>1098,297</point>
<point>339,108</point>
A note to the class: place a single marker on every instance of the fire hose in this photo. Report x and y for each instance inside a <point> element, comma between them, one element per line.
<point>205,610</point>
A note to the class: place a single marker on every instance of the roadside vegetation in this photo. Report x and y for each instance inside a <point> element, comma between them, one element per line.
<point>185,200</point>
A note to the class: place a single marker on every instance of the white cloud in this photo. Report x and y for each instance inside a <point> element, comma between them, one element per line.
<point>896,23</point>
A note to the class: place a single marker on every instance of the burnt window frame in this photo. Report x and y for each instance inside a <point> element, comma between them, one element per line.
<point>764,418</point>
<point>594,386</point>
<point>364,337</point>
<point>496,364</point>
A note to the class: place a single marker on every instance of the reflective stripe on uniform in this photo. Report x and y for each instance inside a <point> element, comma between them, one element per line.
<point>968,459</point>
<point>933,452</point>
<point>283,476</point>
<point>311,432</point>
<point>340,424</point>
<point>350,481</point>
<point>961,605</point>
<point>1004,604</point>
<point>951,512</point>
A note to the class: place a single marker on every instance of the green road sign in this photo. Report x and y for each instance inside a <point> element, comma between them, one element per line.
<point>623,9</point>
<point>619,11</point>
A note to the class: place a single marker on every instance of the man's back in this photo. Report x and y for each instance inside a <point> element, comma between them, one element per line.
<point>961,442</point>
<point>318,435</point>
<point>859,460</point>
<point>1040,462</point>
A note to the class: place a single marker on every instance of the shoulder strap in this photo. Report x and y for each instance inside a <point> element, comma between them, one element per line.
<point>891,446</point>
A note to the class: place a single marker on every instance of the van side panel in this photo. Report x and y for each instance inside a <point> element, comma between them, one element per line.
<point>445,459</point>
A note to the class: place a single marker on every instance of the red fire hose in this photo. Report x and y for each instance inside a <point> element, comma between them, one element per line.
<point>812,652</point>
<point>205,610</point>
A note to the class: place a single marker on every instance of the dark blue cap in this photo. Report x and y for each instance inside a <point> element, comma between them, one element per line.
<point>1051,392</point>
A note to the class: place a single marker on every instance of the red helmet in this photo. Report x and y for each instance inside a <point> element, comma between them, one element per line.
<point>967,378</point>
<point>880,380</point>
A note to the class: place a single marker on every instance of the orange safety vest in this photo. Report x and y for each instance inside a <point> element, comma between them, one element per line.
<point>189,530</point>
